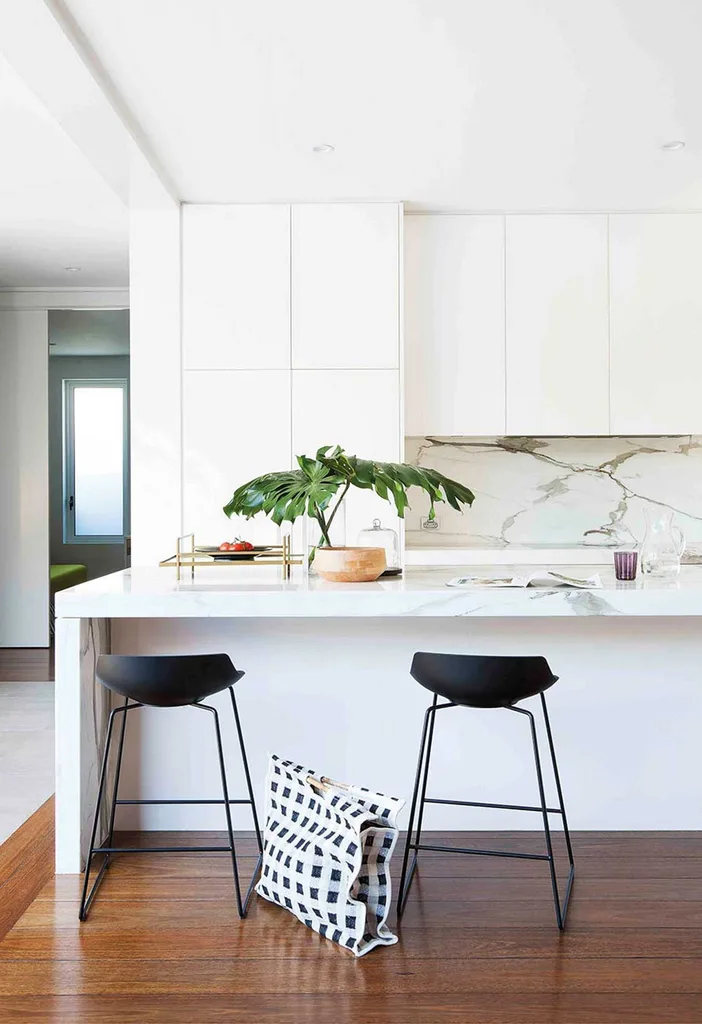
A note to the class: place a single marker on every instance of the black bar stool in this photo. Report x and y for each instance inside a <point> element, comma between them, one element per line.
<point>477,681</point>
<point>167,682</point>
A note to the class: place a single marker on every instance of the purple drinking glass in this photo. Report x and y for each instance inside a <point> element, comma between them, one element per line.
<point>625,563</point>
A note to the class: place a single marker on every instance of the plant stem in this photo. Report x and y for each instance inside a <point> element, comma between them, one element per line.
<point>319,516</point>
<point>336,507</point>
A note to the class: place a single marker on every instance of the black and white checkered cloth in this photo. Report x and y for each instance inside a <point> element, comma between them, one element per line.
<point>326,855</point>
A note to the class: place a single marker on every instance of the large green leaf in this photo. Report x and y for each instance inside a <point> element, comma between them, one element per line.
<point>286,496</point>
<point>392,479</point>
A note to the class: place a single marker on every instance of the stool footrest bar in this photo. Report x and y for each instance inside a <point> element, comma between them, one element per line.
<point>483,853</point>
<point>162,849</point>
<point>499,807</point>
<point>198,802</point>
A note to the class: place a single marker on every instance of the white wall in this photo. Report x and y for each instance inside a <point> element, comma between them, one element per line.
<point>155,378</point>
<point>24,479</point>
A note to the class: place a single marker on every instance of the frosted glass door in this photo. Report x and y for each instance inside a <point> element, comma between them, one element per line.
<point>95,461</point>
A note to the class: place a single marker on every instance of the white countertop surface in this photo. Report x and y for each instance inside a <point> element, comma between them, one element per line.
<point>238,592</point>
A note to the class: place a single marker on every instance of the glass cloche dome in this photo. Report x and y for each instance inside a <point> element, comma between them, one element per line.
<point>378,536</point>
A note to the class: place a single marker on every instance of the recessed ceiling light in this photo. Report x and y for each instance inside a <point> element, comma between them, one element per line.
<point>670,147</point>
<point>71,270</point>
<point>323,147</point>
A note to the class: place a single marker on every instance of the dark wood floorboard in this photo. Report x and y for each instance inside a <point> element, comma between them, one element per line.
<point>478,944</point>
<point>26,664</point>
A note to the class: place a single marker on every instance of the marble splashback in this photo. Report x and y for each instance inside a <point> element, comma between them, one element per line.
<point>558,491</point>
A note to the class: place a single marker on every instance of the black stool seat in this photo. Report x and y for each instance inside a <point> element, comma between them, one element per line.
<point>482,681</point>
<point>167,681</point>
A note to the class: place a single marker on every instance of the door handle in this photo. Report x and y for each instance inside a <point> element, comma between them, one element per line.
<point>70,503</point>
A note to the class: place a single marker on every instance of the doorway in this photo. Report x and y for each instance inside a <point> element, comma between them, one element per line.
<point>89,504</point>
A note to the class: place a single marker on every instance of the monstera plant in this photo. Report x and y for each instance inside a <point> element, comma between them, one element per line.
<point>320,484</point>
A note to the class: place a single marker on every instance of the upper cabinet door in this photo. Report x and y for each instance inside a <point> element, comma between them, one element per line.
<point>454,325</point>
<point>359,410</point>
<point>236,287</point>
<point>656,323</point>
<point>345,285</point>
<point>557,325</point>
<point>220,408</point>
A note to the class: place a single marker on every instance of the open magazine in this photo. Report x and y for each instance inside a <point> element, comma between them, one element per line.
<point>540,578</point>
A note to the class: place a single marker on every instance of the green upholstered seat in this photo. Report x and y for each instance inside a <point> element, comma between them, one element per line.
<point>63,576</point>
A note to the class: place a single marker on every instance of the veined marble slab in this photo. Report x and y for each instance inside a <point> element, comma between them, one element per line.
<point>558,491</point>
<point>260,593</point>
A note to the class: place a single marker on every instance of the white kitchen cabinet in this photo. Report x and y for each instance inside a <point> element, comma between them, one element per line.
<point>236,426</point>
<point>345,285</point>
<point>454,325</point>
<point>557,324</point>
<point>236,287</point>
<point>358,409</point>
<point>656,323</point>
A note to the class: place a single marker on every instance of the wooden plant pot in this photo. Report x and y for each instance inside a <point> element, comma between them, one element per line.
<point>349,565</point>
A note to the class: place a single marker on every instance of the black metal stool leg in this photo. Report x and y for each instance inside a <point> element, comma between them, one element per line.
<point>425,779</point>
<point>241,907</point>
<point>557,777</point>
<point>247,773</point>
<point>421,777</point>
<point>561,804</point>
<point>560,912</point>
<point>86,899</point>
<point>115,788</point>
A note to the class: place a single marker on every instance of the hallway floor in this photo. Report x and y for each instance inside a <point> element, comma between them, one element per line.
<point>26,736</point>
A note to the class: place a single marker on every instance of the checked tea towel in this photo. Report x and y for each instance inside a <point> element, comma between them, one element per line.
<point>326,855</point>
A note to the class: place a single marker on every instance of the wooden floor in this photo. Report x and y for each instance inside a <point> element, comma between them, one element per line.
<point>26,664</point>
<point>478,945</point>
<point>26,864</point>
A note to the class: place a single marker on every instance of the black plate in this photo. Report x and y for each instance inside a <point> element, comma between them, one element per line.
<point>232,556</point>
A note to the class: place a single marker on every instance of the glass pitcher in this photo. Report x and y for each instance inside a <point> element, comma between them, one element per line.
<point>663,543</point>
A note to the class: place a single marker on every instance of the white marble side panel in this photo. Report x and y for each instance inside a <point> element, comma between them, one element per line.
<point>82,708</point>
<point>68,745</point>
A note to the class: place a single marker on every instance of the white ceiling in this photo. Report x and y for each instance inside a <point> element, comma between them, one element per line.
<point>465,104</point>
<point>55,210</point>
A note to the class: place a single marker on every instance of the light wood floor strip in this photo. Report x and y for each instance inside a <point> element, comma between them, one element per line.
<point>26,864</point>
<point>26,664</point>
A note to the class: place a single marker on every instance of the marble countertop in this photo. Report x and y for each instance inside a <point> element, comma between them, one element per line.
<point>261,593</point>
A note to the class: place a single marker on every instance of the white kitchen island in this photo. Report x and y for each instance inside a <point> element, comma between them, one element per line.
<point>327,683</point>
